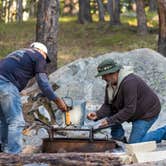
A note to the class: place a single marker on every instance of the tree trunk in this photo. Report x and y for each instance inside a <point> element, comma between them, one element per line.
<point>8,17</point>
<point>84,12</point>
<point>47,28</point>
<point>162,26</point>
<point>1,12</point>
<point>153,5</point>
<point>114,10</point>
<point>87,13</point>
<point>19,11</point>
<point>101,10</point>
<point>32,10</point>
<point>141,17</point>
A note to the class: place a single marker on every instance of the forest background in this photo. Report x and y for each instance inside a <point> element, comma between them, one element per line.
<point>83,28</point>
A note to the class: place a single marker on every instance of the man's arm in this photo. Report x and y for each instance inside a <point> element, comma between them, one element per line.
<point>47,90</point>
<point>105,109</point>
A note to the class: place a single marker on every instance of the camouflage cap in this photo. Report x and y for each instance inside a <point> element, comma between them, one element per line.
<point>108,66</point>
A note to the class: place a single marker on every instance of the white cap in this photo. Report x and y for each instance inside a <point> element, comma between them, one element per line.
<point>42,47</point>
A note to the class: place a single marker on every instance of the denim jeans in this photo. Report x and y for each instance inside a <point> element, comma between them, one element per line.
<point>157,135</point>
<point>139,131</point>
<point>11,117</point>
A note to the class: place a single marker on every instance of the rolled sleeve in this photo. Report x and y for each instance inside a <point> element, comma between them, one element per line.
<point>45,86</point>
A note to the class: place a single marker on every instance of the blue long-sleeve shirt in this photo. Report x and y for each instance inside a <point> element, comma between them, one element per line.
<point>44,85</point>
<point>22,65</point>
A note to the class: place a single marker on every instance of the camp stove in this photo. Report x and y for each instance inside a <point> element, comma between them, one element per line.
<point>58,144</point>
<point>58,141</point>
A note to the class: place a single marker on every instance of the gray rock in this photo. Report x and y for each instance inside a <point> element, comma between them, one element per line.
<point>78,81</point>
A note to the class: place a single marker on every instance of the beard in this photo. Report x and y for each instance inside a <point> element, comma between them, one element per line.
<point>112,83</point>
<point>109,82</point>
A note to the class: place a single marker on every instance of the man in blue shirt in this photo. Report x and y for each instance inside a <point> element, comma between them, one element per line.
<point>15,72</point>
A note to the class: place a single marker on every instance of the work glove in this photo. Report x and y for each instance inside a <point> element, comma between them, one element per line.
<point>61,104</point>
<point>92,116</point>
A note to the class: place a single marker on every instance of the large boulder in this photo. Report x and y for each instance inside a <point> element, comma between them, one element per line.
<point>78,81</point>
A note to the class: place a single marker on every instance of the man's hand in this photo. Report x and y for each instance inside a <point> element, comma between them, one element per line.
<point>92,116</point>
<point>104,123</point>
<point>61,104</point>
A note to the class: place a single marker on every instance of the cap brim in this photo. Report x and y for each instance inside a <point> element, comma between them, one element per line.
<point>48,60</point>
<point>109,71</point>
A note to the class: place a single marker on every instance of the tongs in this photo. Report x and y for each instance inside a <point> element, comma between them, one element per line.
<point>95,130</point>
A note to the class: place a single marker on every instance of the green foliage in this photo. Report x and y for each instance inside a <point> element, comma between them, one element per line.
<point>152,19</point>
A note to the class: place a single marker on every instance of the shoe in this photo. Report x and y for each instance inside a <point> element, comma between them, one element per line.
<point>0,149</point>
<point>124,140</point>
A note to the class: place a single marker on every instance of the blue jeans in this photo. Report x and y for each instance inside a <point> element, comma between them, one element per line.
<point>11,117</point>
<point>157,135</point>
<point>139,132</point>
